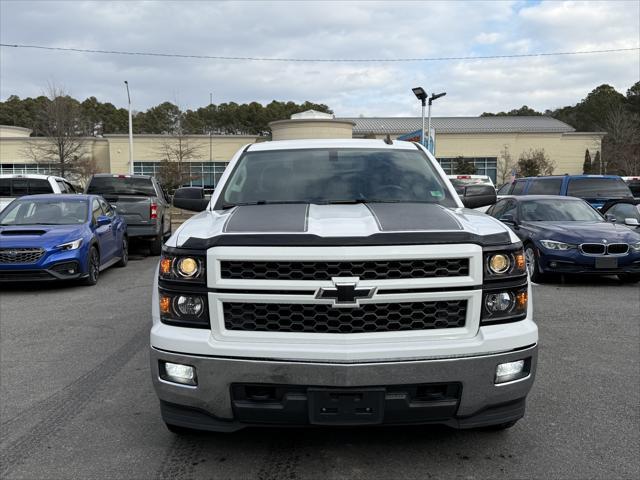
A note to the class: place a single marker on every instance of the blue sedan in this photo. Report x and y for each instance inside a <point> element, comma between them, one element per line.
<point>566,235</point>
<point>60,237</point>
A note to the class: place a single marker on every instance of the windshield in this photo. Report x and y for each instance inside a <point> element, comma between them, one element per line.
<point>334,176</point>
<point>598,188</point>
<point>558,211</point>
<point>45,212</point>
<point>459,183</point>
<point>122,186</point>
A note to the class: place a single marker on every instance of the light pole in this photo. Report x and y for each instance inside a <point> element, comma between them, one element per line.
<point>422,96</point>
<point>433,97</point>
<point>130,132</point>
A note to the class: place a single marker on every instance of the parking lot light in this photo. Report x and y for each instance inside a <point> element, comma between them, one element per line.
<point>421,95</point>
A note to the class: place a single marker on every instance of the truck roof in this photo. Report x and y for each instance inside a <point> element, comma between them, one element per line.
<point>30,175</point>
<point>330,143</point>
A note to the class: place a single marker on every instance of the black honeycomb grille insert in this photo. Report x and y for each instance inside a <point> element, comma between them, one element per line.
<point>324,318</point>
<point>20,255</point>
<point>365,270</point>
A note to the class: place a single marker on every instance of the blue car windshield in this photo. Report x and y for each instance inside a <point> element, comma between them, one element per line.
<point>558,211</point>
<point>45,212</point>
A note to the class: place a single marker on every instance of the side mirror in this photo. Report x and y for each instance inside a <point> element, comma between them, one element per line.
<point>190,198</point>
<point>632,222</point>
<point>508,218</point>
<point>609,217</point>
<point>475,196</point>
<point>103,220</point>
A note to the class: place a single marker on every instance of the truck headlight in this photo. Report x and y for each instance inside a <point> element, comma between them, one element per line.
<point>183,309</point>
<point>504,305</point>
<point>189,268</point>
<point>70,245</point>
<point>553,245</point>
<point>505,263</point>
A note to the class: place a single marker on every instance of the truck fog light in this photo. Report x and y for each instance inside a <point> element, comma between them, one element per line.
<point>178,373</point>
<point>499,302</point>
<point>191,306</point>
<point>505,372</point>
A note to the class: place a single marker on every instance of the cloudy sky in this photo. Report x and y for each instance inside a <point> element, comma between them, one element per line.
<point>326,30</point>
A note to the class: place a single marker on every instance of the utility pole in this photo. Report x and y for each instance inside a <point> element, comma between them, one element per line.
<point>210,129</point>
<point>421,95</point>
<point>431,99</point>
<point>130,132</point>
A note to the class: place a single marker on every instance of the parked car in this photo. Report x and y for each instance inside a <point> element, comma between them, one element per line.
<point>60,237</point>
<point>461,181</point>
<point>17,185</point>
<point>625,212</point>
<point>595,189</point>
<point>634,185</point>
<point>143,203</point>
<point>340,282</point>
<point>565,235</point>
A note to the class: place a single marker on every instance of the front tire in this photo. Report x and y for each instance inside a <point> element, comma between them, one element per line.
<point>124,259</point>
<point>94,267</point>
<point>629,277</point>
<point>532,264</point>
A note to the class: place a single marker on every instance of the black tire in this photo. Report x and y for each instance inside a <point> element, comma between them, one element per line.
<point>500,426</point>
<point>629,277</point>
<point>125,253</point>
<point>155,247</point>
<point>175,429</point>
<point>532,263</point>
<point>94,267</point>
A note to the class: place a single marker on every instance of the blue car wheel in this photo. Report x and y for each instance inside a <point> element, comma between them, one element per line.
<point>94,267</point>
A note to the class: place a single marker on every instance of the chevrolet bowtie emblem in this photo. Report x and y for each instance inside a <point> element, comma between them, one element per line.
<point>345,292</point>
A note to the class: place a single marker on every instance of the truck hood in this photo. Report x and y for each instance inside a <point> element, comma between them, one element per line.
<point>340,224</point>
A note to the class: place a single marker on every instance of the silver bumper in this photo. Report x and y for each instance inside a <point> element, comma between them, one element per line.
<point>216,375</point>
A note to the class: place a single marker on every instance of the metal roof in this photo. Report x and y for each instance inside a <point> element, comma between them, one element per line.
<point>504,124</point>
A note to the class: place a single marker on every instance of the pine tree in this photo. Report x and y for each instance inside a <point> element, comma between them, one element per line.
<point>586,166</point>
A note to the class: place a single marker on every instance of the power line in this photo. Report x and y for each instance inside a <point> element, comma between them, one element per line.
<point>323,60</point>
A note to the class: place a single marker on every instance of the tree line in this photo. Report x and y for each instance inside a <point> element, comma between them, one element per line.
<point>604,109</point>
<point>92,117</point>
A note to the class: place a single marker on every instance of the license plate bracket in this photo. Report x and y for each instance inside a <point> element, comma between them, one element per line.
<point>606,262</point>
<point>329,406</point>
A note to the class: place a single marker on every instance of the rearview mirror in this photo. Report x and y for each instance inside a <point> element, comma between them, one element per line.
<point>508,218</point>
<point>632,222</point>
<point>190,198</point>
<point>475,196</point>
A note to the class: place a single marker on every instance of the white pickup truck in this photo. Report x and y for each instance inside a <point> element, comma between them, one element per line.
<point>341,282</point>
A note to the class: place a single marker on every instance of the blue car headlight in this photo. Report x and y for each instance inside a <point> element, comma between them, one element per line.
<point>70,245</point>
<point>553,245</point>
<point>635,246</point>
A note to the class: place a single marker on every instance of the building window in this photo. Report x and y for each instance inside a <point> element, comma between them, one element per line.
<point>202,174</point>
<point>484,165</point>
<point>24,168</point>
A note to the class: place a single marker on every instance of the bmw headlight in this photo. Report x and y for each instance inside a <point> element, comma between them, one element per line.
<point>553,245</point>
<point>635,246</point>
<point>70,245</point>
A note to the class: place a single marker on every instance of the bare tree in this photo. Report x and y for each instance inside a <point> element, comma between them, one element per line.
<point>176,152</point>
<point>621,146</point>
<point>505,165</point>
<point>62,147</point>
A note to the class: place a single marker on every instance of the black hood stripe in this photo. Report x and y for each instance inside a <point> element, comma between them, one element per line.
<point>285,218</point>
<point>405,217</point>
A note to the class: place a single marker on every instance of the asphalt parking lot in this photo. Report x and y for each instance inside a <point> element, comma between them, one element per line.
<point>77,401</point>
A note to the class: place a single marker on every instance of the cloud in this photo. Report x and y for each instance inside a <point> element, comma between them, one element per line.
<point>327,30</point>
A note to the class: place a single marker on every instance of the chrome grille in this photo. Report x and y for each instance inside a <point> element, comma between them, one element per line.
<point>365,270</point>
<point>20,255</point>
<point>324,318</point>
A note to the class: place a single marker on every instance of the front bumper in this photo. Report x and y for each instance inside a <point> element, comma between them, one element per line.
<point>576,262</point>
<point>212,406</point>
<point>54,265</point>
